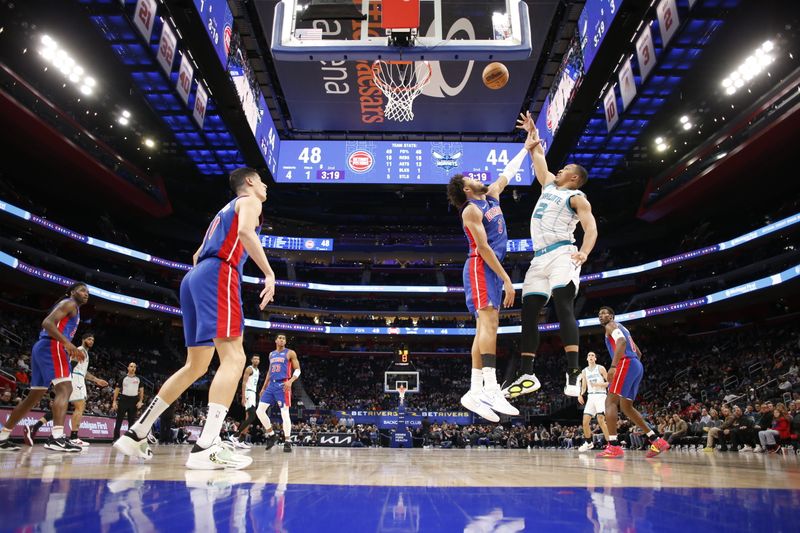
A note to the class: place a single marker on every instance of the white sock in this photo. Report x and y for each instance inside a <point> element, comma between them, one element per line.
<point>142,426</point>
<point>287,423</point>
<point>58,432</point>
<point>476,380</point>
<point>261,413</point>
<point>214,421</point>
<point>489,378</point>
<point>5,433</point>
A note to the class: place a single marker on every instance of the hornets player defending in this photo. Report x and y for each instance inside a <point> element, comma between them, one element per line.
<point>556,265</point>
<point>213,317</point>
<point>50,365</point>
<point>249,387</point>
<point>284,369</point>
<point>594,380</point>
<point>485,281</point>
<point>624,375</point>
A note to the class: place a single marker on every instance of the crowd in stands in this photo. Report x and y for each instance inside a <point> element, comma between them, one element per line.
<point>722,389</point>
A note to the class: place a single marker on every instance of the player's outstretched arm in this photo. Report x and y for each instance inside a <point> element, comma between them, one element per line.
<point>472,218</point>
<point>497,188</point>
<point>543,175</point>
<point>583,209</point>
<point>249,211</point>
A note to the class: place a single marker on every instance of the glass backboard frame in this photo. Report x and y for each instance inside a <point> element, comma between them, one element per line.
<point>392,388</point>
<point>286,46</point>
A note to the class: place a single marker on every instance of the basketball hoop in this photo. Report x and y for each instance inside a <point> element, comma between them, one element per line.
<point>401,82</point>
<point>401,390</point>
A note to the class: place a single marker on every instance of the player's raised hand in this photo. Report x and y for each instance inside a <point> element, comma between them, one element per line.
<point>525,122</point>
<point>510,294</point>
<point>531,142</point>
<point>268,293</point>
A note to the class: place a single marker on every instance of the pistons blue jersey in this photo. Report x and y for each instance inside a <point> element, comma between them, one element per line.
<point>222,237</point>
<point>280,368</point>
<point>67,325</point>
<point>493,223</point>
<point>630,346</point>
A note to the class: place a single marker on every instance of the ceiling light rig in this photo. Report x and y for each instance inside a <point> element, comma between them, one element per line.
<point>752,66</point>
<point>62,61</point>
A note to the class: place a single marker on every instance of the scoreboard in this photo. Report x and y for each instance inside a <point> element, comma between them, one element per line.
<point>396,162</point>
<point>276,242</point>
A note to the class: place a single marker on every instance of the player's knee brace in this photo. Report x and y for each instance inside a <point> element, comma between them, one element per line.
<point>261,412</point>
<point>531,307</point>
<point>564,302</point>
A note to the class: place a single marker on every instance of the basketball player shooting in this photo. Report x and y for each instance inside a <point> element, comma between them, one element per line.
<point>485,281</point>
<point>556,266</point>
<point>213,317</point>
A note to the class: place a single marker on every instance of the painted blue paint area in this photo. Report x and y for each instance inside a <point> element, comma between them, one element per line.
<point>216,501</point>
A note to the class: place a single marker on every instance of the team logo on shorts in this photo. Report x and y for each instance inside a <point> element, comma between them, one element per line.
<point>360,161</point>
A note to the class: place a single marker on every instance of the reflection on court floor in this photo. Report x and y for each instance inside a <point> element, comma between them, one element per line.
<point>98,491</point>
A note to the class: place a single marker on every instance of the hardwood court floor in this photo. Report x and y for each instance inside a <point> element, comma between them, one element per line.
<point>330,489</point>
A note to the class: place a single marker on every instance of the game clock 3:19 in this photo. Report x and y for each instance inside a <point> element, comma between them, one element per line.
<point>330,175</point>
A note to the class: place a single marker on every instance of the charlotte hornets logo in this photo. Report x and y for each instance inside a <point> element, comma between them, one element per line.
<point>446,156</point>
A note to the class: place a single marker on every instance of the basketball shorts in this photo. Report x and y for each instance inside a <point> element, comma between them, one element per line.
<point>595,404</point>
<point>627,378</point>
<point>482,287</point>
<point>552,270</point>
<point>49,364</point>
<point>211,303</point>
<point>274,394</point>
<point>249,399</point>
<point>78,389</point>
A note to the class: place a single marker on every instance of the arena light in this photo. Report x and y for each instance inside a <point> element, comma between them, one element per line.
<point>62,61</point>
<point>150,143</point>
<point>750,68</point>
<point>661,147</point>
<point>684,119</point>
<point>687,126</point>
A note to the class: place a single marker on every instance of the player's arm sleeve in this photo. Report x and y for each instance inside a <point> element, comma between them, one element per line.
<point>496,188</point>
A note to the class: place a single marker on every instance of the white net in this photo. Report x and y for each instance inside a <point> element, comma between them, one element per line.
<point>401,82</point>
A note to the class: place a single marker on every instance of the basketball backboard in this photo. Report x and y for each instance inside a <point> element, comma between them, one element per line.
<point>456,30</point>
<point>392,380</point>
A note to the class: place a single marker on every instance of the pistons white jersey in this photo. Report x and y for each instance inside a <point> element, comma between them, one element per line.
<point>82,368</point>
<point>553,219</point>
<point>252,381</point>
<point>593,379</point>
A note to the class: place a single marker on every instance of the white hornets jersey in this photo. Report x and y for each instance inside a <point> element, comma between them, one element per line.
<point>80,370</point>
<point>553,220</point>
<point>252,381</point>
<point>593,379</point>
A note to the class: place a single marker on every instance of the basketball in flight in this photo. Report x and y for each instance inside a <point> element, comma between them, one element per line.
<point>495,76</point>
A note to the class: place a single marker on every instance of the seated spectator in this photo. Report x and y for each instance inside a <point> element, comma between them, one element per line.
<point>781,429</point>
<point>7,399</point>
<point>679,429</point>
<point>721,433</point>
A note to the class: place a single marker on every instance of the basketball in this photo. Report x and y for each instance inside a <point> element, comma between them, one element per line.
<point>495,76</point>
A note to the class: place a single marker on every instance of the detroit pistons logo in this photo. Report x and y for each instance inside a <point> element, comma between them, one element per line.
<point>226,37</point>
<point>360,161</point>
